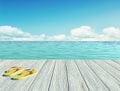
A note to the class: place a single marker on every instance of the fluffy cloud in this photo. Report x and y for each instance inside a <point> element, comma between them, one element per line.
<point>113,33</point>
<point>9,31</point>
<point>83,33</point>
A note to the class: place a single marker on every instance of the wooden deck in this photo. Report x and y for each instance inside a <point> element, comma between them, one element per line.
<point>60,75</point>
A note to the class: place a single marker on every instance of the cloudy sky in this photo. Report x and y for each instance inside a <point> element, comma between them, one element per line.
<point>76,20</point>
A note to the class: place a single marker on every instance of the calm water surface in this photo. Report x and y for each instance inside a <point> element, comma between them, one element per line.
<point>60,50</point>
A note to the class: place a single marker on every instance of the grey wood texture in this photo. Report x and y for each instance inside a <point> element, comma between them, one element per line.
<point>61,75</point>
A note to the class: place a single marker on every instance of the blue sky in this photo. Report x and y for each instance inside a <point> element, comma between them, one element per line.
<point>54,17</point>
<point>59,16</point>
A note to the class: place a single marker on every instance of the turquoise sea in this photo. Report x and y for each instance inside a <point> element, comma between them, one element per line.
<point>60,50</point>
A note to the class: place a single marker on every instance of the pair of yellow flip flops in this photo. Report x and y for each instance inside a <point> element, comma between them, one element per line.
<point>21,73</point>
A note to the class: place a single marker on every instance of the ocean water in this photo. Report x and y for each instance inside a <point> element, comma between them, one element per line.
<point>60,50</point>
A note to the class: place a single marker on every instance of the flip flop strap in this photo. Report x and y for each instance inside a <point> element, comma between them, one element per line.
<point>27,70</point>
<point>13,68</point>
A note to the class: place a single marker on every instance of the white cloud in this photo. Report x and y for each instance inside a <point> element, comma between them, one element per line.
<point>112,32</point>
<point>60,37</point>
<point>12,31</point>
<point>83,33</point>
<point>30,38</point>
<point>8,33</point>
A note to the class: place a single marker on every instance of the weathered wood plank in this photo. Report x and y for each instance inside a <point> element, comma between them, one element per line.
<point>109,69</point>
<point>43,80</point>
<point>118,62</point>
<point>92,80</point>
<point>5,82</point>
<point>3,67</point>
<point>59,81</point>
<point>22,85</point>
<point>76,81</point>
<point>108,80</point>
<point>113,64</point>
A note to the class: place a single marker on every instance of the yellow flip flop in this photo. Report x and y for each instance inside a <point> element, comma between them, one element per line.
<point>13,70</point>
<point>24,74</point>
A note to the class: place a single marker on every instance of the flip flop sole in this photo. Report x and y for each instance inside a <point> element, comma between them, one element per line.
<point>22,77</point>
<point>11,74</point>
